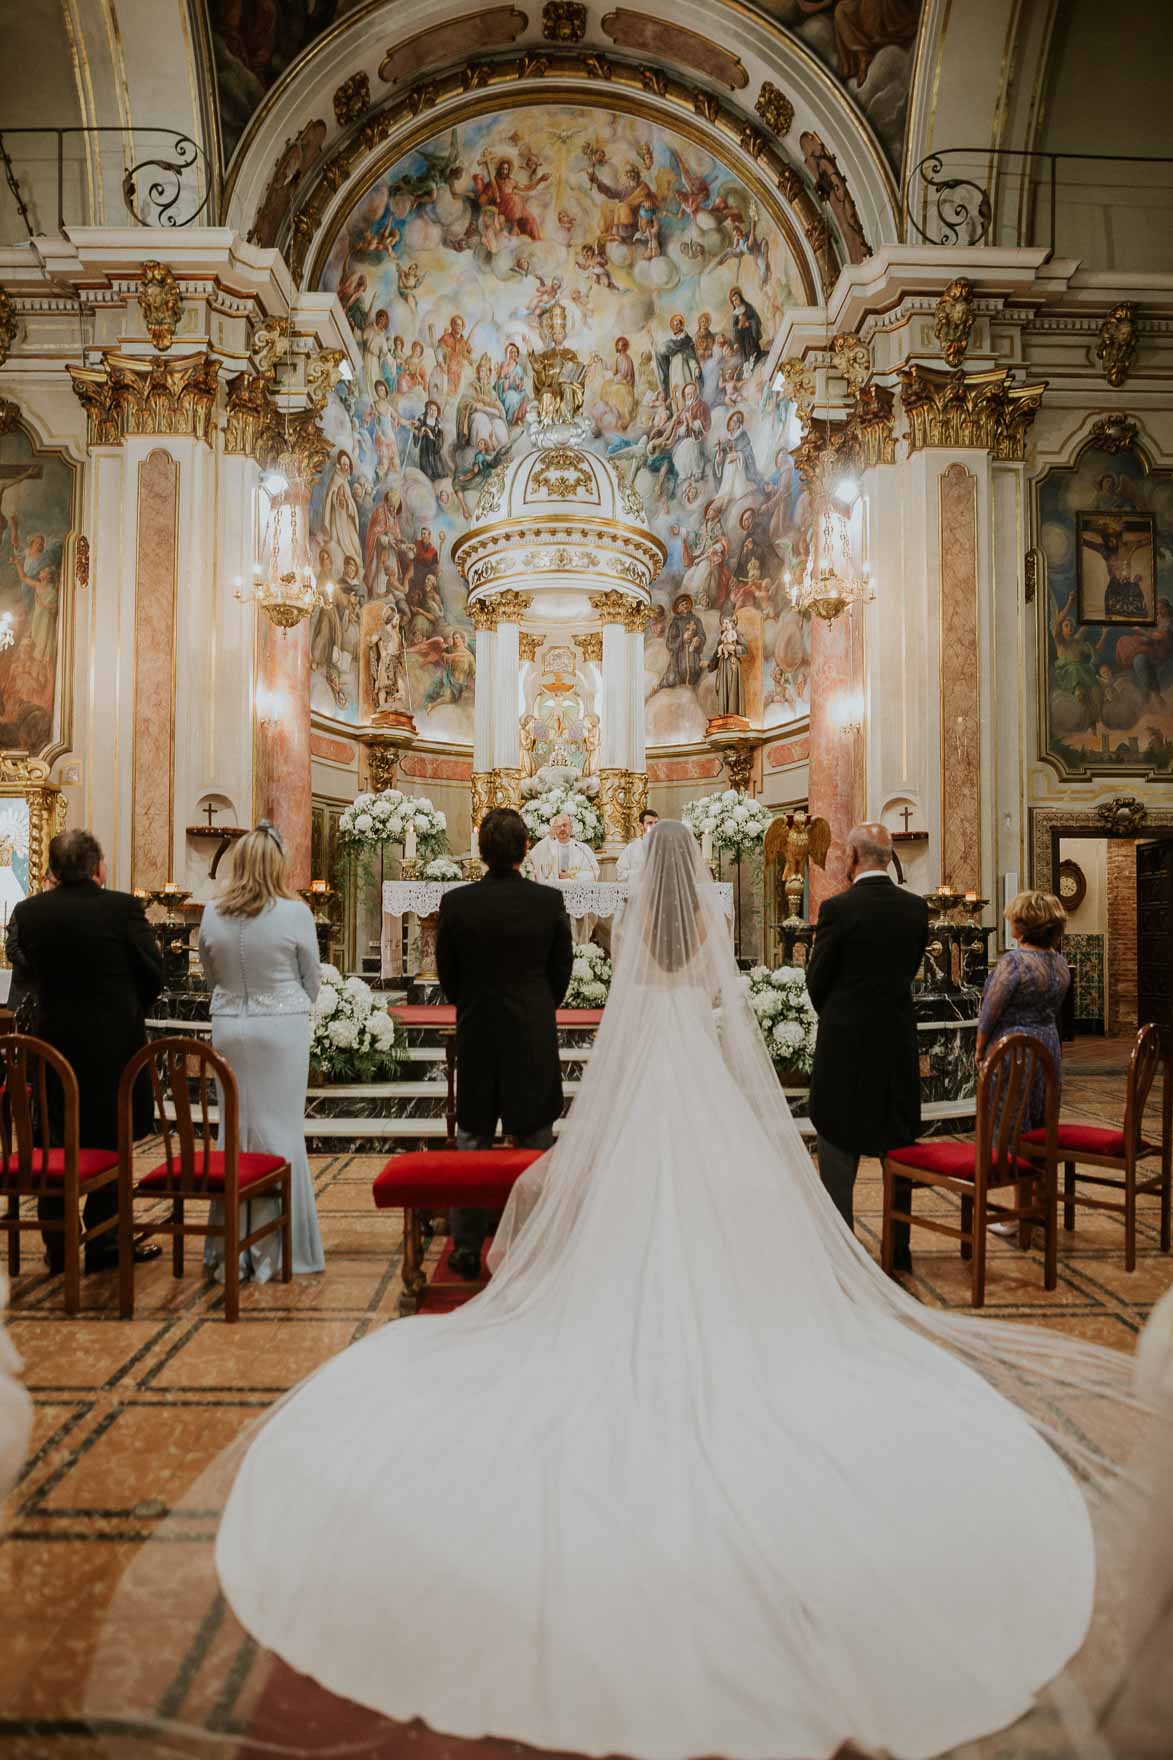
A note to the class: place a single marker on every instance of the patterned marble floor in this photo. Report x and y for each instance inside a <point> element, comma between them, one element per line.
<point>130,1413</point>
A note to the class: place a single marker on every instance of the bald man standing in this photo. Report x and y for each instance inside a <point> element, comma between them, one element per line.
<point>865,1086</point>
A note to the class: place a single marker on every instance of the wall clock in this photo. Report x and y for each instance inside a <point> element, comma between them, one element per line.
<point>1072,886</point>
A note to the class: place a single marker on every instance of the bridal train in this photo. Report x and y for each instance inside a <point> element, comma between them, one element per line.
<point>691,1477</point>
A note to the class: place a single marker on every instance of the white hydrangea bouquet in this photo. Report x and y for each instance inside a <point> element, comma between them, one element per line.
<point>442,868</point>
<point>584,815</point>
<point>736,822</point>
<point>353,1038</point>
<point>590,978</point>
<point>785,1015</point>
<point>376,822</point>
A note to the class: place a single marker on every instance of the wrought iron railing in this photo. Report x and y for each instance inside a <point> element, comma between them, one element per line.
<point>169,185</point>
<point>965,195</point>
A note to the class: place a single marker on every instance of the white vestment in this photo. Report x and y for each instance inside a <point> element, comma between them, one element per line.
<point>551,861</point>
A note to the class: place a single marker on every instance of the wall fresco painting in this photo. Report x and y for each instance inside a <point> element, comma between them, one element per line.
<point>253,42</point>
<point>869,45</point>
<point>674,279</point>
<point>36,514</point>
<point>1106,530</point>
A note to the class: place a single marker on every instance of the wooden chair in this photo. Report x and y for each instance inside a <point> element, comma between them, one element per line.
<point>992,1162</point>
<point>192,1168</point>
<point>1120,1152</point>
<point>32,1167</point>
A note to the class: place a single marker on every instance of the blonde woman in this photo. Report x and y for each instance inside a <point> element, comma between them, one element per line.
<point>260,955</point>
<point>1024,991</point>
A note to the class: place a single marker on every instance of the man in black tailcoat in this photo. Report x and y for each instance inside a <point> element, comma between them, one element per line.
<point>504,956</point>
<point>92,963</point>
<point>865,1085</point>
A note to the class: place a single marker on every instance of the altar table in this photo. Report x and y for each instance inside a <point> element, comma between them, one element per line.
<point>583,898</point>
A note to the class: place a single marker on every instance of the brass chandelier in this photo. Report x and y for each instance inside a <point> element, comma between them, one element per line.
<point>833,587</point>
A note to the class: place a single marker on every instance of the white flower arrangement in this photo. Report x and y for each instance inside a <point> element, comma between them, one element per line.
<point>442,868</point>
<point>590,978</point>
<point>785,1015</point>
<point>353,1038</point>
<point>373,821</point>
<point>585,817</point>
<point>735,821</point>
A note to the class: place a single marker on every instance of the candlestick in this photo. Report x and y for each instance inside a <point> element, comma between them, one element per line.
<point>707,846</point>
<point>409,844</point>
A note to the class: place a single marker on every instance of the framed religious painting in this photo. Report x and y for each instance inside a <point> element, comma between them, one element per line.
<point>32,810</point>
<point>1115,568</point>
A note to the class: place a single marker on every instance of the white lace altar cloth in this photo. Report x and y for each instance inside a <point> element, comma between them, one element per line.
<point>583,898</point>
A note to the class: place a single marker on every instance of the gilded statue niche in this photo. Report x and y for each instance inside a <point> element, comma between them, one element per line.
<point>32,811</point>
<point>39,492</point>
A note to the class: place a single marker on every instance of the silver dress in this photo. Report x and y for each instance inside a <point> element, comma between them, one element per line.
<point>265,974</point>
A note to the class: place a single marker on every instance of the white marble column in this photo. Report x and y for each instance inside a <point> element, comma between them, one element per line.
<point>506,694</point>
<point>483,703</point>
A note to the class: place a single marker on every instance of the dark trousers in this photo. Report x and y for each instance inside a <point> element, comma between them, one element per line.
<point>837,1170</point>
<point>99,1207</point>
<point>469,1226</point>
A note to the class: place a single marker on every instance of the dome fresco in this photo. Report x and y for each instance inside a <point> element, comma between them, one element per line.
<point>672,276</point>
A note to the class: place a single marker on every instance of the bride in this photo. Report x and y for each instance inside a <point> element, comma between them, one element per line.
<point>691,1476</point>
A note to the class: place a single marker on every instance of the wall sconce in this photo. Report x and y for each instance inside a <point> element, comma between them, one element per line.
<point>847,711</point>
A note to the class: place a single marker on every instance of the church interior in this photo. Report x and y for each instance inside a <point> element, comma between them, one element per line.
<point>755,413</point>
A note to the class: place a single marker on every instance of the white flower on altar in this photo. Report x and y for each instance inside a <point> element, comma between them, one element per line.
<point>729,826</point>
<point>729,795</point>
<point>362,802</point>
<point>343,1034</point>
<point>596,992</point>
<point>331,975</point>
<point>326,1003</point>
<point>442,820</point>
<point>361,1001</point>
<point>788,1035</point>
<point>382,808</point>
<point>758,973</point>
<point>741,812</point>
<point>381,1027</point>
<point>363,822</point>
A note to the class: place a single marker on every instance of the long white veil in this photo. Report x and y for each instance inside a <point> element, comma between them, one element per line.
<point>676,983</point>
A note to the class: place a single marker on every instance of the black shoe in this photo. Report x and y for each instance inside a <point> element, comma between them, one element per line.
<point>108,1260</point>
<point>902,1267</point>
<point>466,1263</point>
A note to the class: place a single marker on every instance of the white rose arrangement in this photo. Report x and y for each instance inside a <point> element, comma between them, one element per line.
<point>353,1038</point>
<point>590,978</point>
<point>584,815</point>
<point>785,1015</point>
<point>734,820</point>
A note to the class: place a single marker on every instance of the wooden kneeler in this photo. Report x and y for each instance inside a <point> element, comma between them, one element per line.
<point>427,1180</point>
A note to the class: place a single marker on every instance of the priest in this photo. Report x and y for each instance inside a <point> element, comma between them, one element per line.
<point>560,856</point>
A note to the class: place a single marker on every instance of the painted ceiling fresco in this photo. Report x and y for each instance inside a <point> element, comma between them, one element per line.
<point>673,279</point>
<point>867,44</point>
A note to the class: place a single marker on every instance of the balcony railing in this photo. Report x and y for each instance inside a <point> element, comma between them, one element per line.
<point>1015,196</point>
<point>166,179</point>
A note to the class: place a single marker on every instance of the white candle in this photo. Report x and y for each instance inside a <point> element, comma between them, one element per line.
<point>707,846</point>
<point>409,844</point>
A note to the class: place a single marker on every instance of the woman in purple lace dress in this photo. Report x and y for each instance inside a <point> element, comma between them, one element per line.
<point>1025,990</point>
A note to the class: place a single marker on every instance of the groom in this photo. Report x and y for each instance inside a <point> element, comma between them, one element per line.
<point>865,1085</point>
<point>504,956</point>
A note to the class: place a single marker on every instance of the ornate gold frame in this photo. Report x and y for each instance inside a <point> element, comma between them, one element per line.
<point>27,779</point>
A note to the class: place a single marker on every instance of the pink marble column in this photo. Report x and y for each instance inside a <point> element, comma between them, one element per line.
<point>282,787</point>
<point>837,790</point>
<point>155,584</point>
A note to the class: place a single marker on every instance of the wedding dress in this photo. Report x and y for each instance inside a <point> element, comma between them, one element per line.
<point>691,1477</point>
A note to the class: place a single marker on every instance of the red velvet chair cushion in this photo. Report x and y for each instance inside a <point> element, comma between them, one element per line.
<point>954,1160</point>
<point>479,1178</point>
<point>251,1167</point>
<point>90,1163</point>
<point>1089,1139</point>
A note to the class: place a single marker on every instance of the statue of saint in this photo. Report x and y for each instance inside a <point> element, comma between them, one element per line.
<point>726,663</point>
<point>387,661</point>
<point>557,372</point>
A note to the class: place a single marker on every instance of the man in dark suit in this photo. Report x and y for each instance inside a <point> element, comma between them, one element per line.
<point>865,1086</point>
<point>90,958</point>
<point>504,956</point>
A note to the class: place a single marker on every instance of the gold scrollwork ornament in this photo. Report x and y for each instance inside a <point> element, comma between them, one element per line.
<point>7,326</point>
<point>160,301</point>
<point>1116,348</point>
<point>774,108</point>
<point>953,320</point>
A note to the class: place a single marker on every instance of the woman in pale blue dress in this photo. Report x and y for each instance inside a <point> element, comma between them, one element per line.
<point>259,952</point>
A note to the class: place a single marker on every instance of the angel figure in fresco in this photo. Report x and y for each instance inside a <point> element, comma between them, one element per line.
<point>692,191</point>
<point>747,241</point>
<point>455,667</point>
<point>409,278</point>
<point>441,167</point>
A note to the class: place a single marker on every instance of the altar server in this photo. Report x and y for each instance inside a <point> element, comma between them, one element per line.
<point>630,866</point>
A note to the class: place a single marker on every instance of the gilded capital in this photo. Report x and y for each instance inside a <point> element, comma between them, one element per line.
<point>529,643</point>
<point>615,607</point>
<point>507,606</point>
<point>982,410</point>
<point>590,646</point>
<point>128,395</point>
